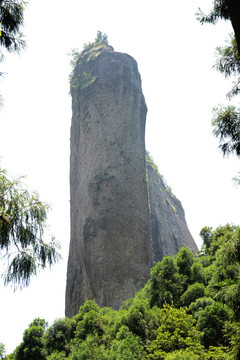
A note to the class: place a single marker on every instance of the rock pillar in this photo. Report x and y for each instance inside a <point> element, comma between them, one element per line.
<point>110,253</point>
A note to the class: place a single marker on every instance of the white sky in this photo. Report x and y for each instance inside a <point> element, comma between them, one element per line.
<point>175,55</point>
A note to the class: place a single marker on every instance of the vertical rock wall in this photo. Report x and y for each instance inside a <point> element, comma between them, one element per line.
<point>109,256</point>
<point>168,224</point>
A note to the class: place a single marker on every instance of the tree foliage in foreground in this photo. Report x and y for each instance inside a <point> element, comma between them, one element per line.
<point>189,309</point>
<point>11,19</point>
<point>224,10</point>
<point>22,223</point>
<point>226,120</point>
<point>2,351</point>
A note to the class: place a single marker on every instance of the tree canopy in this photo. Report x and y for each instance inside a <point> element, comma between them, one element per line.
<point>189,309</point>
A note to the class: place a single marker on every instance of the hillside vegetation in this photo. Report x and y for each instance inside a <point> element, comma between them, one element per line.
<point>189,309</point>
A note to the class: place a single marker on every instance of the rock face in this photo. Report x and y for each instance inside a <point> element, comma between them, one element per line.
<point>169,228</point>
<point>122,221</point>
<point>109,257</point>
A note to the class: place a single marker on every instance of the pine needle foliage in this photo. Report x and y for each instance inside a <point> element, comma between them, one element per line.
<point>228,63</point>
<point>11,19</point>
<point>22,223</point>
<point>226,119</point>
<point>226,123</point>
<point>228,59</point>
<point>219,11</point>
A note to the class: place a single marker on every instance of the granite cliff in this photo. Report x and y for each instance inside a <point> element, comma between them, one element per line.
<point>119,223</point>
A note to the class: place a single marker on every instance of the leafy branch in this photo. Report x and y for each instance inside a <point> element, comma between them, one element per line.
<point>22,225</point>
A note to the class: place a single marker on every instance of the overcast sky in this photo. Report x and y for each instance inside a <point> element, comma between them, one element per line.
<point>175,55</point>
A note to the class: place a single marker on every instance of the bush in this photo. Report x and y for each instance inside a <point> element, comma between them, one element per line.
<point>192,293</point>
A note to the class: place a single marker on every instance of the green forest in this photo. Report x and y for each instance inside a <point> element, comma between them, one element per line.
<point>189,309</point>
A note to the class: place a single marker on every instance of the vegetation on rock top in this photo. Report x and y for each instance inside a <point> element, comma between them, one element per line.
<point>90,52</point>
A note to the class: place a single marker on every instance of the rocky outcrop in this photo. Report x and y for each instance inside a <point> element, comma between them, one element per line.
<point>122,221</point>
<point>109,256</point>
<point>168,224</point>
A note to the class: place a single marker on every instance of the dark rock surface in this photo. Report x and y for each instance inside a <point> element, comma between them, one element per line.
<point>169,228</point>
<point>119,216</point>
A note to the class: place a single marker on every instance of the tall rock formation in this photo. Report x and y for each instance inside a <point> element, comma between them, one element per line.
<point>109,257</point>
<point>118,218</point>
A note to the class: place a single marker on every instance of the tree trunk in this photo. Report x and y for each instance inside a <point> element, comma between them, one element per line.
<point>234,12</point>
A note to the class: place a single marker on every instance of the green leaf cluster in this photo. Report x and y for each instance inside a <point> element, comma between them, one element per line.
<point>226,119</point>
<point>22,223</point>
<point>219,11</point>
<point>2,351</point>
<point>32,345</point>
